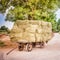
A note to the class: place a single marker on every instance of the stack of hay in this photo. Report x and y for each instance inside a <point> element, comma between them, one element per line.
<point>31,31</point>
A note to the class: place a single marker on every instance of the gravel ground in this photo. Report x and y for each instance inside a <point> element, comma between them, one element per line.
<point>50,52</point>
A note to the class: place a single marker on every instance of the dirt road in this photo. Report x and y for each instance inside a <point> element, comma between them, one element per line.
<point>50,52</point>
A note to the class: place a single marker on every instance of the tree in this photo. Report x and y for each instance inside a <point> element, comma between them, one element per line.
<point>51,4</point>
<point>58,25</point>
<point>32,10</point>
<point>58,3</point>
<point>4,4</point>
<point>4,29</point>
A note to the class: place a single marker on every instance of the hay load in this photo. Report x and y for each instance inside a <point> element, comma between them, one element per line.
<point>31,31</point>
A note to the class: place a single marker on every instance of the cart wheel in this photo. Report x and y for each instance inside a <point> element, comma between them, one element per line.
<point>41,44</point>
<point>46,41</point>
<point>29,47</point>
<point>21,47</point>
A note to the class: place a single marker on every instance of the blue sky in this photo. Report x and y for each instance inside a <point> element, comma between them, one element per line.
<point>6,23</point>
<point>10,24</point>
<point>1,19</point>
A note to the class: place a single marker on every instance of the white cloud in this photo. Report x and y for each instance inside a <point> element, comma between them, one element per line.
<point>58,14</point>
<point>9,24</point>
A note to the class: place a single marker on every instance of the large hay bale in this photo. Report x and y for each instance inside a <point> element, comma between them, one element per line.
<point>22,22</point>
<point>38,37</point>
<point>18,35</point>
<point>16,29</point>
<point>31,30</point>
<point>30,37</point>
<point>33,22</point>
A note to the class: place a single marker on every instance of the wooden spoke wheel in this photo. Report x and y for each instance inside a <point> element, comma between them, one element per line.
<point>21,46</point>
<point>41,44</point>
<point>28,46</point>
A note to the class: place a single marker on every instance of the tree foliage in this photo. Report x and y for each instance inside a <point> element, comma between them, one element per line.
<point>32,4</point>
<point>58,25</point>
<point>31,10</point>
<point>4,4</point>
<point>4,29</point>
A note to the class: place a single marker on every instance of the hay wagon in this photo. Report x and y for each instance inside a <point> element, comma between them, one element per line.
<point>30,33</point>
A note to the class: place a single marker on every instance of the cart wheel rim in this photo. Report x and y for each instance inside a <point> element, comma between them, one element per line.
<point>42,45</point>
<point>29,47</point>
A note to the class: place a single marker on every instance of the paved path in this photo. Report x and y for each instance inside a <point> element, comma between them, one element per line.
<point>1,56</point>
<point>50,52</point>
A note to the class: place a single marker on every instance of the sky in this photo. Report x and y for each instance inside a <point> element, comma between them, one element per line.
<point>10,24</point>
<point>6,23</point>
<point>58,14</point>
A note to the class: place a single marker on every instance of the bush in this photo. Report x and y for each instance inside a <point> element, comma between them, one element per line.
<point>1,44</point>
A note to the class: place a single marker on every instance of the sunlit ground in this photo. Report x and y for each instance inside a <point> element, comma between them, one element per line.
<point>51,51</point>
